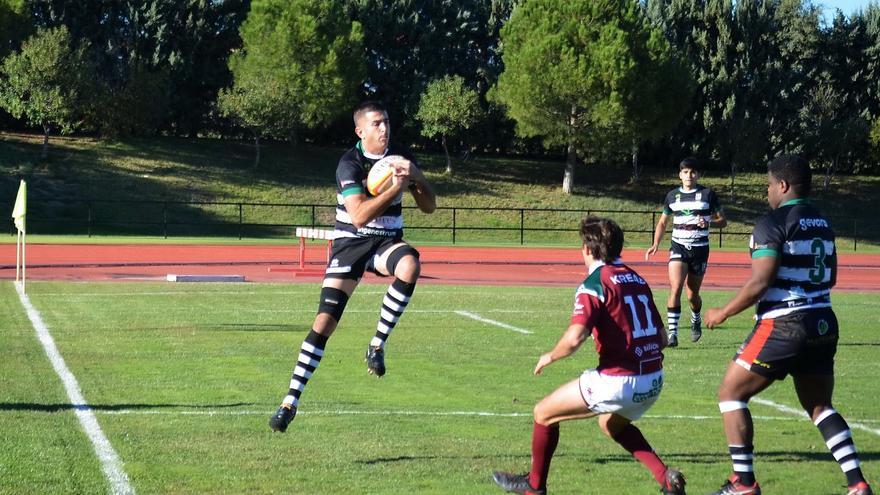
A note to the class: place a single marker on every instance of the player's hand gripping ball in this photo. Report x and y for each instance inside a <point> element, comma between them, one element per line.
<point>379,177</point>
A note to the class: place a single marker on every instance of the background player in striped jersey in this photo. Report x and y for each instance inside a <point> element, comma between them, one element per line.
<point>794,267</point>
<point>614,305</point>
<point>693,209</point>
<point>369,236</point>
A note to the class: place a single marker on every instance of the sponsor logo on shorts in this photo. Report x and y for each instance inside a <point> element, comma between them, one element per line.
<point>654,391</point>
<point>376,232</point>
<point>823,327</point>
<point>674,255</point>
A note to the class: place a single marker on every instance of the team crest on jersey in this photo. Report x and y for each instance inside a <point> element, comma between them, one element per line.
<point>823,327</point>
<point>678,198</point>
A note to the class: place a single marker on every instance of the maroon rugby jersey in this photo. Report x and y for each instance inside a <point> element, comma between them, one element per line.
<point>617,306</point>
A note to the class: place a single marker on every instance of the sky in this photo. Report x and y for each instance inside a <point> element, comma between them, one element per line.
<point>846,6</point>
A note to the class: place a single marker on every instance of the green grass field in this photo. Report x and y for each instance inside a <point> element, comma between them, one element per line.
<point>183,378</point>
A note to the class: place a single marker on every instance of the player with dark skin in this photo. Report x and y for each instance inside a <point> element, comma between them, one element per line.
<point>814,389</point>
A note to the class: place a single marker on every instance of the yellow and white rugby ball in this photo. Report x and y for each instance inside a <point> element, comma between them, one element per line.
<point>379,177</point>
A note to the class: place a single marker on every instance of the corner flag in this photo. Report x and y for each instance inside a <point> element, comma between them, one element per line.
<point>20,209</point>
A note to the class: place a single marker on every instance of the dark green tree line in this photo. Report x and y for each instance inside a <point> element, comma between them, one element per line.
<point>734,82</point>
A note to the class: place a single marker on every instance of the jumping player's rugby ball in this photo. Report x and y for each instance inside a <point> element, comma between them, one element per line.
<point>379,177</point>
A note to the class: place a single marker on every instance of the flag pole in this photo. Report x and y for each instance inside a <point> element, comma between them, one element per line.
<point>18,256</point>
<point>23,262</point>
<point>19,214</point>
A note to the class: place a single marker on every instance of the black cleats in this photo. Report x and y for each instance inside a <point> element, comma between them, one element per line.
<point>516,483</point>
<point>674,483</point>
<point>696,330</point>
<point>673,339</point>
<point>282,417</point>
<point>734,487</point>
<point>860,488</point>
<point>375,359</point>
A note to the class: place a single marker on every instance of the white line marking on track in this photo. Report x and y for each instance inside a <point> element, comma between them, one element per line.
<point>110,461</point>
<point>803,415</point>
<point>492,322</point>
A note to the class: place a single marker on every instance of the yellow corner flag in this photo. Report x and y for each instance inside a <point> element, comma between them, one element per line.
<point>20,209</point>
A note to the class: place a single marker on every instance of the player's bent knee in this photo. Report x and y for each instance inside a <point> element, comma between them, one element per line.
<point>333,302</point>
<point>407,257</point>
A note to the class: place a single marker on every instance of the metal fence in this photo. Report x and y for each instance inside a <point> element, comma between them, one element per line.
<point>260,220</point>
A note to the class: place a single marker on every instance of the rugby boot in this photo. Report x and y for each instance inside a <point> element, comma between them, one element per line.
<point>674,483</point>
<point>282,417</point>
<point>696,330</point>
<point>375,359</point>
<point>516,483</point>
<point>734,487</point>
<point>860,488</point>
<point>673,339</point>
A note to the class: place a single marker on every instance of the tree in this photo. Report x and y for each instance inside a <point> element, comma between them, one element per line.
<point>446,109</point>
<point>412,42</point>
<point>15,27</point>
<point>830,130</point>
<point>572,71</point>
<point>300,67</point>
<point>170,53</point>
<point>47,82</point>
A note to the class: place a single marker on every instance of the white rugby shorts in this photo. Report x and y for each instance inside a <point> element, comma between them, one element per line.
<point>629,396</point>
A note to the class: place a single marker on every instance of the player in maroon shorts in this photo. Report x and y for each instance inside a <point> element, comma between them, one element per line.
<point>614,305</point>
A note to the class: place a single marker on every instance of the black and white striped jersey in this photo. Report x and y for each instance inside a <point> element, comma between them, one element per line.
<point>686,208</point>
<point>351,178</point>
<point>801,236</point>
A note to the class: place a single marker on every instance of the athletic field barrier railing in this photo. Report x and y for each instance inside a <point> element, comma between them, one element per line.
<point>507,225</point>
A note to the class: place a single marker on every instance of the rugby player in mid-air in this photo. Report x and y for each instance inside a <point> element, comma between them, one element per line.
<point>368,237</point>
<point>614,305</point>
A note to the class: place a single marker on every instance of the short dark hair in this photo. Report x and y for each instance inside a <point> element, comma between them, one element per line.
<point>603,237</point>
<point>794,170</point>
<point>690,162</point>
<point>367,106</point>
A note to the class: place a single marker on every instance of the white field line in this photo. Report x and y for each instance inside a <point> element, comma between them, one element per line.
<point>343,412</point>
<point>492,322</point>
<point>803,415</point>
<point>110,461</point>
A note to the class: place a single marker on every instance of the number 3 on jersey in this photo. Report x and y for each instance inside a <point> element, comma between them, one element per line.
<point>638,330</point>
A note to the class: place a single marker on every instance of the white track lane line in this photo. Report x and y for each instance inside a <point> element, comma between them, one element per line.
<point>110,461</point>
<point>492,322</point>
<point>801,413</point>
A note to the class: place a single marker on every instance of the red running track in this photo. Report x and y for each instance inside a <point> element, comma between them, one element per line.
<point>441,265</point>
